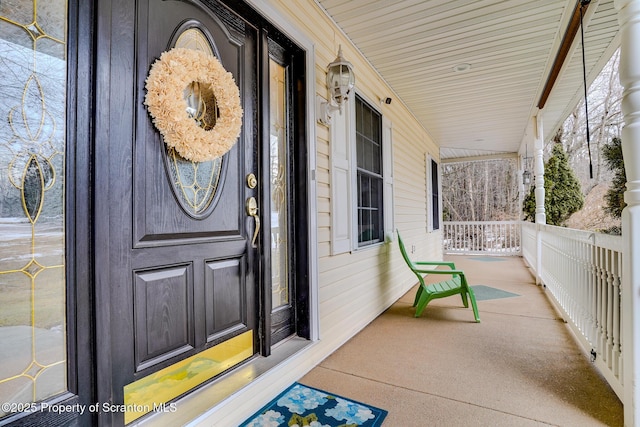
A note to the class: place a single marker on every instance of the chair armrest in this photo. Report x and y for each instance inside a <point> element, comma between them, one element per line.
<point>448,264</point>
<point>454,272</point>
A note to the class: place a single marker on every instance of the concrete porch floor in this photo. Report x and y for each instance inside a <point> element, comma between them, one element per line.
<point>520,366</point>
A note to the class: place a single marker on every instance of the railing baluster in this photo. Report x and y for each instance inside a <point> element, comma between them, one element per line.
<point>593,277</point>
<point>617,332</point>
<point>610,280</point>
<point>480,238</point>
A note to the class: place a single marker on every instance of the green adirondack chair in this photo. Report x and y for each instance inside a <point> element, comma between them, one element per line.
<point>456,285</point>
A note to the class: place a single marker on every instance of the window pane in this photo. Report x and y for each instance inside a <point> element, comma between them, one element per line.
<point>370,184</point>
<point>360,151</point>
<point>368,156</point>
<point>278,172</point>
<point>32,194</point>
<point>376,230</point>
<point>376,194</point>
<point>376,130</point>
<point>366,122</point>
<point>435,195</point>
<point>365,196</point>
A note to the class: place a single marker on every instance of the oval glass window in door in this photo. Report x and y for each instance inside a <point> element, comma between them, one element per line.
<point>195,184</point>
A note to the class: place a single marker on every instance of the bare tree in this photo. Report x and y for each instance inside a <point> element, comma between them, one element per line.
<point>605,123</point>
<point>480,191</point>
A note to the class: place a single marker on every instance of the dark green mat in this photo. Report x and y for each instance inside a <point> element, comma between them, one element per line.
<point>484,293</point>
<point>488,258</point>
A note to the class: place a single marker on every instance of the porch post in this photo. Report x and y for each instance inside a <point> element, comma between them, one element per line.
<point>522,185</point>
<point>629,20</point>
<point>538,167</point>
<point>541,216</point>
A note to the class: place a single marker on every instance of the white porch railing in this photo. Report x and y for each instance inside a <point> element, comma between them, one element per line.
<point>581,270</point>
<point>482,237</point>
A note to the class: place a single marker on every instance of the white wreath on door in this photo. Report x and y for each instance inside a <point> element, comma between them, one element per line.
<point>169,77</point>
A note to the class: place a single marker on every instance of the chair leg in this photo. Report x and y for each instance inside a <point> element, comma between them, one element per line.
<point>422,303</point>
<point>417,298</point>
<point>465,301</point>
<point>418,294</point>
<point>472,296</point>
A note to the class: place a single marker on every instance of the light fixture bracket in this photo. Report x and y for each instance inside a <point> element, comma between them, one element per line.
<point>325,110</point>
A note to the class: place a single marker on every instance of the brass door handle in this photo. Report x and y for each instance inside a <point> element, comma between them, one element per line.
<point>252,210</point>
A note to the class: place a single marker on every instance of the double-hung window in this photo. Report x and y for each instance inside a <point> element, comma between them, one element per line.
<point>434,198</point>
<point>369,178</point>
<point>361,177</point>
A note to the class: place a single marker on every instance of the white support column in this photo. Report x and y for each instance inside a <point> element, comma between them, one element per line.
<point>521,185</point>
<point>538,171</point>
<point>629,19</point>
<point>541,216</point>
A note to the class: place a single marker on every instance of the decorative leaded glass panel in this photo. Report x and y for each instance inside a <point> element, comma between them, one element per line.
<point>278,172</point>
<point>32,193</point>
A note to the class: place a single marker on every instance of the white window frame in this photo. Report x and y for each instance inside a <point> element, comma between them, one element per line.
<point>387,171</point>
<point>430,208</point>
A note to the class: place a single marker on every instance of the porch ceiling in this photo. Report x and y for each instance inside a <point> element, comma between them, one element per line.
<point>511,46</point>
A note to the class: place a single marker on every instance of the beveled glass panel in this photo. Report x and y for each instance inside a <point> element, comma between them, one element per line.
<point>17,11</point>
<point>196,183</point>
<point>278,180</point>
<point>32,193</point>
<point>49,15</point>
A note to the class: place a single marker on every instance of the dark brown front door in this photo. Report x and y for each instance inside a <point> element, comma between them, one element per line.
<point>179,251</point>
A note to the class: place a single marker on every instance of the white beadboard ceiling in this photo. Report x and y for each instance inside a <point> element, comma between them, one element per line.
<point>511,46</point>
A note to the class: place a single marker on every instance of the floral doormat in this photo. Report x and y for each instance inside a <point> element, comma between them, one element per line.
<point>300,406</point>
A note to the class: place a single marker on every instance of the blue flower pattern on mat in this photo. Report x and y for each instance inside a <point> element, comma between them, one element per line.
<point>270,418</point>
<point>302,406</point>
<point>350,412</point>
<point>301,399</point>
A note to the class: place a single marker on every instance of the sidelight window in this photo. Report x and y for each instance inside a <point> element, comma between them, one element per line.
<point>32,196</point>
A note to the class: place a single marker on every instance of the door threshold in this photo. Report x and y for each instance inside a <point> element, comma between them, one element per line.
<point>191,406</point>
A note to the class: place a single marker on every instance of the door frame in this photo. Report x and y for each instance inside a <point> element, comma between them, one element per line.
<point>278,45</point>
<point>273,17</point>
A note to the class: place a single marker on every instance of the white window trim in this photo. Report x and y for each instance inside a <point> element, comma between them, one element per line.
<point>387,170</point>
<point>429,161</point>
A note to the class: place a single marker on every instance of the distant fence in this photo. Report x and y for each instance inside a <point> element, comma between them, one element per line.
<point>482,237</point>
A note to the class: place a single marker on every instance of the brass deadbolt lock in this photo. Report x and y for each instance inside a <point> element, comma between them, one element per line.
<point>252,181</point>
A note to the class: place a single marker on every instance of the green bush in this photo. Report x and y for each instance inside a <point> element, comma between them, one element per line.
<point>563,195</point>
<point>614,197</point>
